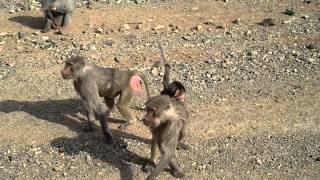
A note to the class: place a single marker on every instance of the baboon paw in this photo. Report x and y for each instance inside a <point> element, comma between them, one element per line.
<point>63,31</point>
<point>109,140</point>
<point>177,174</point>
<point>87,129</point>
<point>148,168</point>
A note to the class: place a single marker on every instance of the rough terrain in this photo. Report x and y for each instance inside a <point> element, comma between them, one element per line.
<point>253,88</point>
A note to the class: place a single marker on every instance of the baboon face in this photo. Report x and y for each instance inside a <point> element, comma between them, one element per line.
<point>156,110</point>
<point>73,67</point>
<point>152,118</point>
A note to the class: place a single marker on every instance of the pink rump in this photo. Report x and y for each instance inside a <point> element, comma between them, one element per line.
<point>135,83</point>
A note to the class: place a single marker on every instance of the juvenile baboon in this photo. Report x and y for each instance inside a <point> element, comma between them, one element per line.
<point>174,89</point>
<point>166,118</point>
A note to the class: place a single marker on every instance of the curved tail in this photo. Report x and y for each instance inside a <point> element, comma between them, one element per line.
<point>146,83</point>
<point>166,77</point>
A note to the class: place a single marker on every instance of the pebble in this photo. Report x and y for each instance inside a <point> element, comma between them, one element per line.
<point>118,58</point>
<point>155,71</point>
<point>58,168</point>
<point>44,38</point>
<point>2,34</point>
<point>198,27</point>
<point>92,52</point>
<point>138,1</point>
<point>158,27</point>
<point>206,40</point>
<point>311,60</point>
<point>125,27</point>
<point>313,46</point>
<point>237,21</point>
<point>22,35</point>
<point>258,161</point>
<point>268,22</point>
<point>289,12</point>
<point>99,30</point>
<point>187,38</point>
<point>36,33</point>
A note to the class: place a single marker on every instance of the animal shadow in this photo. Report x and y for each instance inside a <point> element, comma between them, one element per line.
<point>29,21</point>
<point>116,156</point>
<point>66,112</point>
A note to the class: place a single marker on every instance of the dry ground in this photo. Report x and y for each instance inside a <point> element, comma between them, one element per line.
<point>244,137</point>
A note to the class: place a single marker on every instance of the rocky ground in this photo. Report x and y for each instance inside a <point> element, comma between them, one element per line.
<point>253,88</point>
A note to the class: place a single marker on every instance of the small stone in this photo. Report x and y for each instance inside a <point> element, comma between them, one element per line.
<point>2,34</point>
<point>158,27</point>
<point>36,33</point>
<point>58,169</point>
<point>155,71</point>
<point>248,33</point>
<point>138,1</point>
<point>313,46</point>
<point>125,27</point>
<point>99,30</point>
<point>44,38</point>
<point>187,38</point>
<point>253,53</point>
<point>92,52</point>
<point>22,35</point>
<point>198,27</point>
<point>227,62</point>
<point>311,60</point>
<point>209,22</point>
<point>268,22</point>
<point>194,8</point>
<point>206,40</point>
<point>31,8</point>
<point>108,42</point>
<point>118,58</point>
<point>237,21</point>
<point>12,11</point>
<point>289,12</point>
<point>258,161</point>
<point>139,26</point>
<point>88,158</point>
<point>305,17</point>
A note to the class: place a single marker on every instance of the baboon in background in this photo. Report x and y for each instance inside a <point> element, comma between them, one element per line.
<point>58,14</point>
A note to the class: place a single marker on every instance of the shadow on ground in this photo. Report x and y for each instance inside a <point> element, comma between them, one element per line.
<point>29,21</point>
<point>66,112</point>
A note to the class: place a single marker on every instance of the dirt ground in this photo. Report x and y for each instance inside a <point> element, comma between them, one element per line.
<point>262,129</point>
